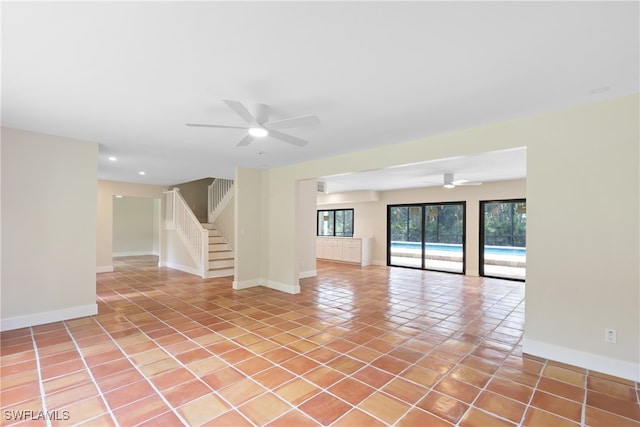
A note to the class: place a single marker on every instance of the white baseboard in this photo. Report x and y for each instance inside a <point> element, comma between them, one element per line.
<point>246,284</point>
<point>134,253</point>
<point>185,268</point>
<point>290,289</point>
<point>307,274</point>
<point>594,362</point>
<point>27,320</point>
<point>104,269</point>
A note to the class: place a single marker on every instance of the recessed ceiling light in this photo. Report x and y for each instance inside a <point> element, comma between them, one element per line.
<point>258,132</point>
<point>118,196</point>
<point>112,158</point>
<point>141,173</point>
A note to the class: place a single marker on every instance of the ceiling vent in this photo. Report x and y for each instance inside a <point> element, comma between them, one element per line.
<point>322,186</point>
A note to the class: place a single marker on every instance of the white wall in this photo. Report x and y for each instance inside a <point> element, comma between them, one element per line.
<point>370,218</point>
<point>104,226</point>
<point>48,193</point>
<point>582,170</point>
<point>135,226</point>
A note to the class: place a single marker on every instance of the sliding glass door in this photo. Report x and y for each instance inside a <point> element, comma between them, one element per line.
<point>503,240</point>
<point>427,236</point>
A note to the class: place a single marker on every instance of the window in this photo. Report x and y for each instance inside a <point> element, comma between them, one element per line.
<point>335,222</point>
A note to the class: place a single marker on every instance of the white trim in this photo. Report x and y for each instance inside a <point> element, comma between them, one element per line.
<point>290,289</point>
<point>133,253</point>
<point>27,320</point>
<point>591,361</point>
<point>283,287</point>
<point>245,284</point>
<point>307,274</point>
<point>104,269</point>
<point>185,268</point>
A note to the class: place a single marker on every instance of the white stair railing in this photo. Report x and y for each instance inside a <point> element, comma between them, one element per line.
<point>220,192</point>
<point>180,217</point>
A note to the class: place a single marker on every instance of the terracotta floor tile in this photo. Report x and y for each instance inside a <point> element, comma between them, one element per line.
<point>300,365</point>
<point>384,407</point>
<point>501,406</point>
<point>390,364</point>
<point>457,389</point>
<point>202,409</point>
<point>511,389</point>
<point>565,375</point>
<point>167,419</point>
<point>324,408</point>
<point>19,394</point>
<point>561,389</point>
<point>405,390</point>
<point>140,411</point>
<point>297,391</point>
<point>264,409</point>
<point>324,376</point>
<point>273,377</point>
<point>118,379</point>
<point>185,392</point>
<point>622,407</point>
<point>83,410</point>
<point>230,418</point>
<point>103,420</point>
<point>62,399</point>
<point>241,391</point>
<point>612,388</point>
<point>477,418</point>
<point>128,393</point>
<point>345,364</point>
<point>443,406</point>
<point>356,418</point>
<point>422,376</point>
<point>222,378</point>
<point>205,366</point>
<point>595,417</point>
<point>351,390</point>
<point>416,417</point>
<point>538,418</point>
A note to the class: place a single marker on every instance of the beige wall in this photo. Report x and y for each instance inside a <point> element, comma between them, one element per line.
<point>135,226</point>
<point>196,194</point>
<point>306,193</point>
<point>48,192</point>
<point>370,218</point>
<point>582,170</point>
<point>104,227</point>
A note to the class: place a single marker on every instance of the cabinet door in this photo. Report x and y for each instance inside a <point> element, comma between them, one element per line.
<point>352,251</point>
<point>334,249</point>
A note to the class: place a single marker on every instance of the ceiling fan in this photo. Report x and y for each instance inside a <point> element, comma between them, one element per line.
<point>449,182</point>
<point>259,125</point>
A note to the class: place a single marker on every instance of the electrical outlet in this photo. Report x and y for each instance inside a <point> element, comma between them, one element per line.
<point>610,336</point>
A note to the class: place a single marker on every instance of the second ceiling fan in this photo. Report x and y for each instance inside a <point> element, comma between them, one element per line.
<point>260,126</point>
<point>449,182</point>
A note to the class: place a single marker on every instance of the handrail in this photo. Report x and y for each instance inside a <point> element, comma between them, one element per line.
<point>179,217</point>
<point>219,194</point>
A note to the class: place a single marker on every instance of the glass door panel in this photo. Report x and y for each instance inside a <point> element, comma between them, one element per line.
<point>503,244</point>
<point>444,237</point>
<point>405,236</point>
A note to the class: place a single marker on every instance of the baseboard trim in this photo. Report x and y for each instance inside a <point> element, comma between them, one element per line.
<point>185,268</point>
<point>104,269</point>
<point>307,274</point>
<point>35,319</point>
<point>594,362</point>
<point>133,253</point>
<point>246,284</point>
<point>283,287</point>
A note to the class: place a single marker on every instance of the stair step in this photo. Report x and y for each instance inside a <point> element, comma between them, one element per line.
<point>220,255</point>
<point>216,239</point>
<point>219,247</point>
<point>220,272</point>
<point>221,263</point>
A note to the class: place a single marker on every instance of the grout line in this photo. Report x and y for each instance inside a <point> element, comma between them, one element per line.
<point>40,381</point>
<point>84,362</point>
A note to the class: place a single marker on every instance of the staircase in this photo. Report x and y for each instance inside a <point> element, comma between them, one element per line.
<point>211,253</point>
<point>220,259</point>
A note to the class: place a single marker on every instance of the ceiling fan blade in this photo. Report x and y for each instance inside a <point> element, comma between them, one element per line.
<point>293,122</point>
<point>241,110</point>
<point>470,183</point>
<point>245,141</point>
<point>288,138</point>
<point>203,125</point>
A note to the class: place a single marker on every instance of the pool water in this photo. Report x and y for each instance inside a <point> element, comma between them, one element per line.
<point>448,247</point>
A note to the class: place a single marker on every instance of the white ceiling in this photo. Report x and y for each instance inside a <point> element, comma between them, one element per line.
<point>130,75</point>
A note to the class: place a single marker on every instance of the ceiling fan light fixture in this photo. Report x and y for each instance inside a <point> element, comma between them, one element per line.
<point>258,132</point>
<point>449,186</point>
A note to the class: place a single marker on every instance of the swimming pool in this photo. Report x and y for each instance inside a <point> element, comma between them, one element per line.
<point>448,247</point>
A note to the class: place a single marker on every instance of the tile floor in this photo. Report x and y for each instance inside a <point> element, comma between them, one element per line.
<point>358,346</point>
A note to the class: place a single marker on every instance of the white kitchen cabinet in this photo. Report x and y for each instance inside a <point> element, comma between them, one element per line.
<point>344,249</point>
